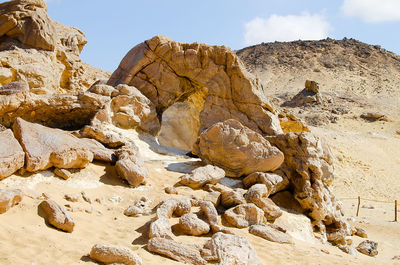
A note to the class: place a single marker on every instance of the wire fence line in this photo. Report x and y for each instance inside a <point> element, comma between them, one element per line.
<point>371,200</point>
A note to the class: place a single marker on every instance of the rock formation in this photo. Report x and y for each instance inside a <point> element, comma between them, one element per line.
<point>211,78</point>
<point>47,147</point>
<point>237,149</point>
<point>368,247</point>
<point>131,167</point>
<point>12,157</point>
<point>110,254</point>
<point>190,224</point>
<point>258,194</point>
<point>244,215</point>
<point>271,233</point>
<point>40,51</point>
<point>201,176</point>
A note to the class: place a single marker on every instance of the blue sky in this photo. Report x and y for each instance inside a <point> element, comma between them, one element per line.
<point>114,27</point>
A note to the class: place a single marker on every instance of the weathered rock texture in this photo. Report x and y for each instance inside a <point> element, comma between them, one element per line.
<point>273,182</point>
<point>110,254</point>
<point>40,51</point>
<point>131,167</point>
<point>190,224</point>
<point>237,149</point>
<point>9,198</point>
<point>211,78</point>
<point>368,247</point>
<point>47,147</point>
<point>202,175</point>
<point>309,167</point>
<point>271,233</point>
<point>230,249</point>
<point>244,215</point>
<point>65,111</point>
<point>175,250</point>
<point>12,157</point>
<point>57,216</point>
<point>208,209</point>
<point>258,194</point>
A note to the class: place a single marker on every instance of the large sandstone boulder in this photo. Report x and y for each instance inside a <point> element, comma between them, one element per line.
<point>65,111</point>
<point>230,249</point>
<point>309,167</point>
<point>47,147</point>
<point>12,157</point>
<point>237,149</point>
<point>211,78</point>
<point>40,51</point>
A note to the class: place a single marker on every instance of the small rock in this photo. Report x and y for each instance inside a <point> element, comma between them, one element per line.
<point>397,257</point>
<point>272,233</point>
<point>358,231</point>
<point>190,224</point>
<point>57,216</point>
<point>116,199</point>
<point>373,116</point>
<point>258,194</point>
<point>176,250</point>
<point>214,197</point>
<point>62,173</point>
<point>202,175</point>
<point>99,200</point>
<point>114,254</point>
<point>71,197</point>
<point>231,197</point>
<point>170,190</point>
<point>89,210</point>
<point>368,247</point>
<point>348,249</point>
<point>85,197</point>
<point>139,209</point>
<point>9,198</point>
<point>368,206</point>
<point>244,215</point>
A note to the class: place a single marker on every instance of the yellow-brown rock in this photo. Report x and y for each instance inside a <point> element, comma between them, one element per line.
<point>167,72</point>
<point>12,157</point>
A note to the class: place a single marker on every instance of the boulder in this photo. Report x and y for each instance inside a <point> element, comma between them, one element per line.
<point>202,175</point>
<point>310,95</point>
<point>271,233</point>
<point>230,249</point>
<point>161,227</point>
<point>211,78</point>
<point>180,125</point>
<point>12,157</point>
<point>214,197</point>
<point>175,250</point>
<point>309,167</point>
<point>110,254</point>
<point>100,152</point>
<point>190,224</point>
<point>258,194</point>
<point>211,214</point>
<point>232,197</point>
<point>57,216</point>
<point>47,147</point>
<point>9,198</point>
<point>244,215</point>
<point>368,247</point>
<point>40,51</point>
<point>131,167</point>
<point>237,149</point>
<point>273,182</point>
<point>101,134</point>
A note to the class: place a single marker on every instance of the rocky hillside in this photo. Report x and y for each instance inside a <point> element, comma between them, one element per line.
<point>344,65</point>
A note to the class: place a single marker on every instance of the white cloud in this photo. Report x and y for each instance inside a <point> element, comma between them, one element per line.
<point>286,28</point>
<point>372,10</point>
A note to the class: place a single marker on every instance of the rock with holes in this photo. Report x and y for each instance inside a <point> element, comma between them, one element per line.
<point>161,227</point>
<point>131,167</point>
<point>202,175</point>
<point>191,224</point>
<point>230,249</point>
<point>237,149</point>
<point>244,215</point>
<point>184,253</point>
<point>9,198</point>
<point>210,78</point>
<point>57,216</point>
<point>309,168</point>
<point>12,156</point>
<point>368,247</point>
<point>258,194</point>
<point>271,233</point>
<point>110,254</point>
<point>47,147</point>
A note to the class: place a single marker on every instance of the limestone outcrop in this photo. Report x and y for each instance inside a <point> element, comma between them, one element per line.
<point>210,78</point>
<point>12,157</point>
<point>40,51</point>
<point>237,149</point>
<point>47,147</point>
<point>309,167</point>
<point>110,254</point>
